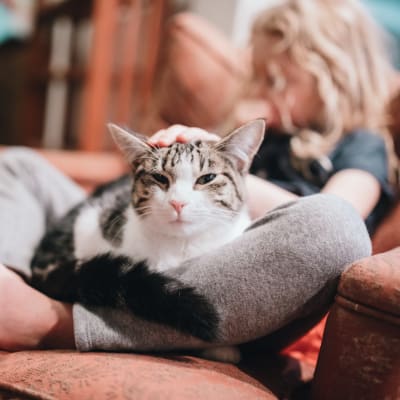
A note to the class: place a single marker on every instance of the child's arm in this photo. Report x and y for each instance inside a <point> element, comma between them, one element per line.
<point>31,320</point>
<point>32,194</point>
<point>358,187</point>
<point>263,196</point>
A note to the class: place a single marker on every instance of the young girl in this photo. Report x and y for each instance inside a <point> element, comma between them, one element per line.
<point>323,78</point>
<point>321,75</point>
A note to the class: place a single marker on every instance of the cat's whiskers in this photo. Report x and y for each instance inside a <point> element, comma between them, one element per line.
<point>144,211</point>
<point>115,222</point>
<point>204,213</point>
<point>143,208</point>
<point>216,213</point>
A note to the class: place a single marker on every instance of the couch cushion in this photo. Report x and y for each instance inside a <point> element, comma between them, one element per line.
<point>72,375</point>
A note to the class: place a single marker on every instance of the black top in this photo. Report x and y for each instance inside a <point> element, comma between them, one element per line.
<point>358,150</point>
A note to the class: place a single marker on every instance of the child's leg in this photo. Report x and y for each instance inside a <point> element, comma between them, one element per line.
<point>29,319</point>
<point>284,269</point>
<point>32,194</point>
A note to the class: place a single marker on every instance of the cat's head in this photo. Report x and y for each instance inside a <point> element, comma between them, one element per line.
<point>186,189</point>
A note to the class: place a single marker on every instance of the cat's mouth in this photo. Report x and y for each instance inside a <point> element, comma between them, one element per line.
<point>179,221</point>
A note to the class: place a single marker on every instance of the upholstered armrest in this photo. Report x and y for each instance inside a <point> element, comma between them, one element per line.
<point>360,353</point>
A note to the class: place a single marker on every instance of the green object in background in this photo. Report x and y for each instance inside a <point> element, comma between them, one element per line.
<point>6,26</point>
<point>387,14</point>
<point>12,25</point>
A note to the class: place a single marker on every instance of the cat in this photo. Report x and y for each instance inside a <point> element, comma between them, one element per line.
<point>179,202</point>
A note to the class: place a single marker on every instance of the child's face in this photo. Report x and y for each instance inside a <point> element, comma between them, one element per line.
<point>284,86</point>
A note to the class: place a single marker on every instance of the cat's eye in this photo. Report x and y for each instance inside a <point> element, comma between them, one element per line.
<point>204,179</point>
<point>160,178</point>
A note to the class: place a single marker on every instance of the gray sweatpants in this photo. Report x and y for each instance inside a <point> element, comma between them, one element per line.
<point>282,271</point>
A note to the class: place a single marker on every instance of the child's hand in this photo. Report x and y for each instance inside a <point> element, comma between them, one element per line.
<point>29,319</point>
<point>180,134</point>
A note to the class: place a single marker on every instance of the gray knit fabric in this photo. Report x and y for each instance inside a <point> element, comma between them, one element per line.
<point>32,194</point>
<point>284,268</point>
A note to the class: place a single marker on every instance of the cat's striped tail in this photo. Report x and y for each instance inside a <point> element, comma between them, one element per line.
<point>117,281</point>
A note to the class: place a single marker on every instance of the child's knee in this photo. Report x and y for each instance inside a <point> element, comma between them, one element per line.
<point>337,226</point>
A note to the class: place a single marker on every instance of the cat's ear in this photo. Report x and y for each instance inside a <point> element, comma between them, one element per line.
<point>132,144</point>
<point>243,143</point>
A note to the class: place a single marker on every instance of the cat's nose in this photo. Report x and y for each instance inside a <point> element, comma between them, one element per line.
<point>177,205</point>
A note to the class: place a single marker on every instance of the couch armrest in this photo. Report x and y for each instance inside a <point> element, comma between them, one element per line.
<point>374,282</point>
<point>360,353</point>
<point>88,169</point>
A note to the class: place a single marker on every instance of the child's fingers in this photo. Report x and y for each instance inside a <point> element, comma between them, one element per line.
<point>193,134</point>
<point>181,134</point>
<point>153,139</point>
<point>165,137</point>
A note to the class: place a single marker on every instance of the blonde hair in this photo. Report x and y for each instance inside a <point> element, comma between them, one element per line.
<point>340,45</point>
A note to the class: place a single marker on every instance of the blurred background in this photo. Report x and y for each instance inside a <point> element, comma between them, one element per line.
<point>69,66</point>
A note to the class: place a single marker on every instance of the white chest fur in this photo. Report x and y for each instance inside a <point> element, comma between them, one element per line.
<point>163,252</point>
<point>144,243</point>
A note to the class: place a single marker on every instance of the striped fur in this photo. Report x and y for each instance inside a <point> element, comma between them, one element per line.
<point>192,161</point>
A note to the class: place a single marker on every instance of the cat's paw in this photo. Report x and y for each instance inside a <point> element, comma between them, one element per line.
<point>226,354</point>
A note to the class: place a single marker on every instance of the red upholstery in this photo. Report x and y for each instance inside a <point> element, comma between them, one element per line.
<point>360,354</point>
<point>357,282</point>
<point>71,375</point>
<point>387,235</point>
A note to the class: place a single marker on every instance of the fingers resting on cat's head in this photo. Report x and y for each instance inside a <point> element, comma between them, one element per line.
<point>240,146</point>
<point>177,134</point>
<point>180,134</point>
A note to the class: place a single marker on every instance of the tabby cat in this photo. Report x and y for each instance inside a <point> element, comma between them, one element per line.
<point>178,202</point>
